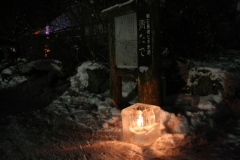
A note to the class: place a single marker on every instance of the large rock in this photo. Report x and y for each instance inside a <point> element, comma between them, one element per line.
<point>7,74</point>
<point>98,80</point>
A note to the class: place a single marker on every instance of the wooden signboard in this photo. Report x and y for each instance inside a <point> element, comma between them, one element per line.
<point>126,40</point>
<point>133,39</point>
<point>133,44</point>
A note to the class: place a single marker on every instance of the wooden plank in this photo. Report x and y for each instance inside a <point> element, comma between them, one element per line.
<point>133,73</point>
<point>115,80</point>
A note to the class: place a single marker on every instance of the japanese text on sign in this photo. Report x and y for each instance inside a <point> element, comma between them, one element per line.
<point>144,35</point>
<point>144,38</point>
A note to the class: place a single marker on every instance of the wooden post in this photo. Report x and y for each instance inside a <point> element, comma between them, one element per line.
<point>115,80</point>
<point>149,82</point>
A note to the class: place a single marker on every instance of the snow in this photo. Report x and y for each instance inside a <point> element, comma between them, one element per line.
<point>117,6</point>
<point>126,67</point>
<point>7,71</point>
<point>81,78</point>
<point>99,114</point>
<point>127,87</point>
<point>143,69</point>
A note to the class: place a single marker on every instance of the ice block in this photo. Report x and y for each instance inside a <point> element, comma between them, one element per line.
<point>141,124</point>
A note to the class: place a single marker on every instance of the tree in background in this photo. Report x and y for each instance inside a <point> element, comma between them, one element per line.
<point>13,23</point>
<point>79,34</point>
<point>84,33</point>
<point>20,19</point>
<point>191,28</point>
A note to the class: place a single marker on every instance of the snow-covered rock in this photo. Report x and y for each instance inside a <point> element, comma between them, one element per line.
<point>115,112</point>
<point>206,105</point>
<point>7,71</point>
<point>105,125</point>
<point>87,77</point>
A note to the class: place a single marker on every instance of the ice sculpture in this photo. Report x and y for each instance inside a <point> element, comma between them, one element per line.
<point>141,124</point>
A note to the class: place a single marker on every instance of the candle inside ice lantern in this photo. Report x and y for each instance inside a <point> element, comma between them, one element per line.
<point>140,120</point>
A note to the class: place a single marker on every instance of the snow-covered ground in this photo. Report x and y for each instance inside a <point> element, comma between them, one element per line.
<point>79,124</point>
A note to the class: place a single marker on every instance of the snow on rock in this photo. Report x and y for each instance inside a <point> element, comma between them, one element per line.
<point>208,102</point>
<point>105,125</point>
<point>226,72</point>
<point>179,125</point>
<point>22,60</point>
<point>172,123</point>
<point>113,104</point>
<point>115,112</point>
<point>199,71</point>
<point>77,100</point>
<point>207,105</point>
<point>211,97</point>
<point>80,80</point>
<point>194,114</point>
<point>7,71</point>
<point>108,102</point>
<point>196,108</point>
<point>127,87</point>
<point>112,120</point>
<point>117,6</point>
<point>16,80</point>
<point>8,77</point>
<point>102,107</point>
<point>143,69</point>
<point>26,68</point>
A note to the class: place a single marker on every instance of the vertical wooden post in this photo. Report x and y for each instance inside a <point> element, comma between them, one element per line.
<point>115,80</point>
<point>149,89</point>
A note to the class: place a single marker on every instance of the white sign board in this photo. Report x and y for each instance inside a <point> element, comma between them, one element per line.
<point>126,40</point>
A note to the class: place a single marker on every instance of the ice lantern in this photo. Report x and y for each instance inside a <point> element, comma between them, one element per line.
<point>141,124</point>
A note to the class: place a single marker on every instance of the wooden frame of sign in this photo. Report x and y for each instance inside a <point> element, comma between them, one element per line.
<point>133,36</point>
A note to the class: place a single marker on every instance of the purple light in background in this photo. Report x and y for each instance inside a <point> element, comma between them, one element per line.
<point>47,30</point>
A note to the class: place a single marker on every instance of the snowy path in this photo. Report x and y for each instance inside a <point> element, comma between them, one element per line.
<point>23,98</point>
<point>42,136</point>
<point>36,133</point>
<point>37,122</point>
<point>39,134</point>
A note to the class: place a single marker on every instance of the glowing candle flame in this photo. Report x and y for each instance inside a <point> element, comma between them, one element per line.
<point>140,120</point>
